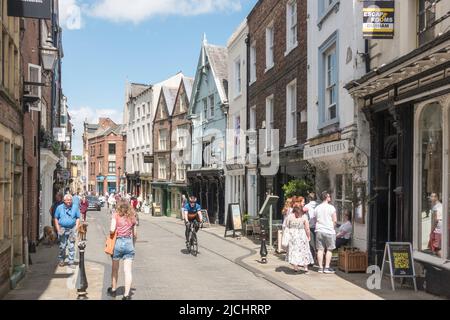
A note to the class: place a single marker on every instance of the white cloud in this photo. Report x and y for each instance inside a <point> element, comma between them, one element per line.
<point>139,10</point>
<point>70,14</point>
<point>91,115</point>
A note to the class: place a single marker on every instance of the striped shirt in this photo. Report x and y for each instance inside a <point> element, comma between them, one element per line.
<point>123,226</point>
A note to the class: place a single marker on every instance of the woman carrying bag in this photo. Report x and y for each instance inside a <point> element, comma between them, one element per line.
<point>123,229</point>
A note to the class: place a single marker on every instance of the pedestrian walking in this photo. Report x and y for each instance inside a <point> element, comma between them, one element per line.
<point>123,223</point>
<point>84,205</point>
<point>58,201</point>
<point>183,204</point>
<point>309,209</point>
<point>111,202</point>
<point>67,220</point>
<point>325,232</point>
<point>298,253</point>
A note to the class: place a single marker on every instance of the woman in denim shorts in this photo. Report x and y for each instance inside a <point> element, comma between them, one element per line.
<point>123,223</point>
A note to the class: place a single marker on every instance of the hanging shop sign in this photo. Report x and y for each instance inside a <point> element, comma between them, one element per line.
<point>378,19</point>
<point>149,158</point>
<point>39,9</point>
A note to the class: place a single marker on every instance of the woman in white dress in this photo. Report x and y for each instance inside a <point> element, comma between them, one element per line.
<point>299,253</point>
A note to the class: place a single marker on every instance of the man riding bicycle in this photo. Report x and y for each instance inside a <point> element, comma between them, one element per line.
<point>192,212</point>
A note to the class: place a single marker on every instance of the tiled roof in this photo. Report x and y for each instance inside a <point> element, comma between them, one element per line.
<point>218,60</point>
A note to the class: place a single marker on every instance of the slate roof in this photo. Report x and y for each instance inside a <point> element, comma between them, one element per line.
<point>188,85</point>
<point>218,58</point>
<point>170,94</point>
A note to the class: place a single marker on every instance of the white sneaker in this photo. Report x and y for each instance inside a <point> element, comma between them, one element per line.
<point>320,270</point>
<point>328,270</point>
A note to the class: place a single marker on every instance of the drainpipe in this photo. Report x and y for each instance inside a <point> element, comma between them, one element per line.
<point>247,43</point>
<point>367,55</point>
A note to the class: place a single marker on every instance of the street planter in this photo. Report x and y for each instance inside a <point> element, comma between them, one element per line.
<point>352,260</point>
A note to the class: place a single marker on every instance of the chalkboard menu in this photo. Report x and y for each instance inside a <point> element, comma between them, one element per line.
<point>234,218</point>
<point>399,256</point>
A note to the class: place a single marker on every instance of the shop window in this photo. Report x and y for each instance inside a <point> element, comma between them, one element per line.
<point>343,195</point>
<point>431,155</point>
<point>427,20</point>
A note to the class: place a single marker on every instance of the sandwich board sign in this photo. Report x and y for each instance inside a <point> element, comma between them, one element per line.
<point>399,256</point>
<point>234,219</point>
<point>266,213</point>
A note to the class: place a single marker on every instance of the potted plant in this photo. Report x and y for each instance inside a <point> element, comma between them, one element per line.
<point>297,187</point>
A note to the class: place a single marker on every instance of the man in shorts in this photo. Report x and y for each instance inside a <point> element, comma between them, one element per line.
<point>325,232</point>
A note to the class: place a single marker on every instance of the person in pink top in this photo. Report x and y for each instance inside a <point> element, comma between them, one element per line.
<point>123,223</point>
<point>84,205</point>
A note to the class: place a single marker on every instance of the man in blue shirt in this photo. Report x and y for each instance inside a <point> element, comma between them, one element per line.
<point>192,211</point>
<point>67,220</point>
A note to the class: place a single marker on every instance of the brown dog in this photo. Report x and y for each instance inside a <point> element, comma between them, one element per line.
<point>82,230</point>
<point>49,235</point>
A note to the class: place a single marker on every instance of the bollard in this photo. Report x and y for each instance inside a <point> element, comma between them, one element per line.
<point>263,250</point>
<point>82,283</point>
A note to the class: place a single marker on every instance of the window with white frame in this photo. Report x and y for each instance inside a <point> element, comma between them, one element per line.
<point>291,25</point>
<point>328,78</point>
<point>253,62</point>
<point>291,112</point>
<point>252,124</point>
<point>144,140</point>
<point>237,136</point>
<point>205,108</point>
<point>148,133</point>
<point>269,47</point>
<point>237,77</point>
<point>34,75</point>
<point>324,6</point>
<point>269,123</point>
<point>182,135</point>
<point>161,111</point>
<point>138,113</point>
<point>181,171</point>
<point>162,169</point>
<point>162,139</point>
<point>134,138</point>
<point>138,137</point>
<point>182,103</point>
<point>111,167</point>
<point>344,195</point>
<point>211,106</point>
<point>331,84</point>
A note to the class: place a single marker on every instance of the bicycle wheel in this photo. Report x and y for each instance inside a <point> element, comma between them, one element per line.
<point>193,244</point>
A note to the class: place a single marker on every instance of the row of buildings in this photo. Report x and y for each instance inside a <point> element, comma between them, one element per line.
<point>35,132</point>
<point>314,91</point>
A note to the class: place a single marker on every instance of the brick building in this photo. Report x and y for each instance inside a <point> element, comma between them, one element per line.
<point>180,145</point>
<point>106,158</point>
<point>11,152</point>
<point>277,91</point>
<point>161,150</point>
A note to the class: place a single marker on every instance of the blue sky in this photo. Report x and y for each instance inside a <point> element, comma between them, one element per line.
<point>144,43</point>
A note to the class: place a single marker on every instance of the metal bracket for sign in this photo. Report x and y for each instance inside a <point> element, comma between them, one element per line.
<point>386,259</point>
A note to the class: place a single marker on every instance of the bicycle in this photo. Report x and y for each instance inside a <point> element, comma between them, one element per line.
<point>192,244</point>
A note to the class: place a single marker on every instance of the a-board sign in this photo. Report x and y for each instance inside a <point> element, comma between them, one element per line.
<point>266,213</point>
<point>399,256</point>
<point>234,218</point>
<point>205,218</point>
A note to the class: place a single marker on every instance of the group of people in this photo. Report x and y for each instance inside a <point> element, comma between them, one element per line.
<point>68,212</point>
<point>310,231</point>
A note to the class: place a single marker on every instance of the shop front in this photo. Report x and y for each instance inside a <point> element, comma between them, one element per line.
<point>161,195</point>
<point>409,117</point>
<point>209,188</point>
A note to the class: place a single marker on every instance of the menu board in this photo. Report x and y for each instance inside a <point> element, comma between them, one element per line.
<point>401,259</point>
<point>234,218</point>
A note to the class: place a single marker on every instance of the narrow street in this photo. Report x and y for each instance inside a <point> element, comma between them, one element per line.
<point>163,270</point>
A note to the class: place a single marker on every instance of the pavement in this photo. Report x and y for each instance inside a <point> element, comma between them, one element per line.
<point>227,269</point>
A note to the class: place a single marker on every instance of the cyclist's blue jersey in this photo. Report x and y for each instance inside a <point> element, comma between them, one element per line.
<point>189,209</point>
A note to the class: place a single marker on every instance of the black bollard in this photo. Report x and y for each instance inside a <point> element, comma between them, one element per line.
<point>82,283</point>
<point>263,251</point>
